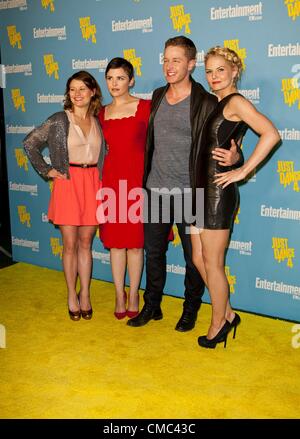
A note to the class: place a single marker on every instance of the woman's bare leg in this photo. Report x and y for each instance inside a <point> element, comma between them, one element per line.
<point>214,244</point>
<point>70,263</point>
<point>135,262</point>
<point>85,262</point>
<point>118,260</point>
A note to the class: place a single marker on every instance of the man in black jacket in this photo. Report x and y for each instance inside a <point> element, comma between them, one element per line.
<point>178,112</point>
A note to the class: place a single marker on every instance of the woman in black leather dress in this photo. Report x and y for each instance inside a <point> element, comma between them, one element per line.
<point>228,122</point>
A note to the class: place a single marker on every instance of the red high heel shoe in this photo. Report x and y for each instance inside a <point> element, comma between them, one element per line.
<point>121,315</point>
<point>132,314</point>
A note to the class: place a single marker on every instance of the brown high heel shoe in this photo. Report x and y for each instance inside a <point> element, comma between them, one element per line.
<point>75,315</point>
<point>86,314</point>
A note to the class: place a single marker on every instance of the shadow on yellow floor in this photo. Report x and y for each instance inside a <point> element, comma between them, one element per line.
<point>53,367</point>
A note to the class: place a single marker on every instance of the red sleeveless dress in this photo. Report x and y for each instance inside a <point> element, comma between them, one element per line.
<point>123,173</point>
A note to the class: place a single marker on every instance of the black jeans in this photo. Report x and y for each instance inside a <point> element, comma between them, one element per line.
<point>156,245</point>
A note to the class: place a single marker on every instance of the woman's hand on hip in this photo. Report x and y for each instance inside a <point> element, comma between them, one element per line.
<point>53,173</point>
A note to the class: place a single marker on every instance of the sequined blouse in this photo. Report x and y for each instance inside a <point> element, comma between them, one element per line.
<point>54,134</point>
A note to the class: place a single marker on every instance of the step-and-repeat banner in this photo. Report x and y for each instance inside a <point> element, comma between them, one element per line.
<point>43,42</point>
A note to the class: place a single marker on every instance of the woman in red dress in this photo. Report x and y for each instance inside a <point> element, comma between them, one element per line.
<point>124,123</point>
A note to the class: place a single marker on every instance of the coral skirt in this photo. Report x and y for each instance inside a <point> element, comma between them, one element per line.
<point>73,201</point>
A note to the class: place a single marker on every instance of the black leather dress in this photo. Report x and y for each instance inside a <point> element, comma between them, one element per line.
<point>219,204</point>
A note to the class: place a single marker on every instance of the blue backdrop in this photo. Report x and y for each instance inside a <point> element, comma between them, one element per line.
<point>43,42</point>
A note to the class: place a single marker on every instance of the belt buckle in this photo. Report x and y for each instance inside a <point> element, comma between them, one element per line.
<point>84,165</point>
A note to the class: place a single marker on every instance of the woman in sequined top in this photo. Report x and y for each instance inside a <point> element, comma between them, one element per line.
<point>76,148</point>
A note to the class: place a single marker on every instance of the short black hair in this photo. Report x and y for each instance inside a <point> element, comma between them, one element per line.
<point>121,63</point>
<point>186,43</point>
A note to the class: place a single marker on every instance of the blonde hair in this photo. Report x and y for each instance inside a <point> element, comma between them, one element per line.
<point>229,55</point>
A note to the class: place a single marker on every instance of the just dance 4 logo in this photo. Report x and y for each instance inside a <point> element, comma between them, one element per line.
<point>241,51</point>
<point>176,241</point>
<point>136,61</point>
<point>21,158</point>
<point>287,174</point>
<point>282,251</point>
<point>24,216</point>
<point>231,279</point>
<point>15,38</point>
<point>18,99</point>
<point>291,91</point>
<point>48,4</point>
<point>51,66</point>
<point>180,19</point>
<point>293,8</point>
<point>88,30</point>
<point>236,217</point>
<point>56,247</point>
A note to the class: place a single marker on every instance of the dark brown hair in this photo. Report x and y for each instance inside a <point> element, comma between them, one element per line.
<point>187,44</point>
<point>92,84</point>
<point>121,63</point>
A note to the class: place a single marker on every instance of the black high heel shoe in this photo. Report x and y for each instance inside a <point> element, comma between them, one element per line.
<point>221,336</point>
<point>235,322</point>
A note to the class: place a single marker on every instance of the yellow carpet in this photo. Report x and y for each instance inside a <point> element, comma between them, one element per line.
<point>53,367</point>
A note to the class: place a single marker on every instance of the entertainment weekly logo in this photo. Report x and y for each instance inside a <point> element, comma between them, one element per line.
<point>50,32</point>
<point>281,213</point>
<point>21,187</point>
<point>199,59</point>
<point>83,64</point>
<point>144,24</point>
<point>132,206</point>
<point>252,94</point>
<point>26,69</point>
<point>49,98</point>
<point>283,50</point>
<point>253,12</point>
<point>10,4</point>
<point>20,242</point>
<point>274,286</point>
<point>18,129</point>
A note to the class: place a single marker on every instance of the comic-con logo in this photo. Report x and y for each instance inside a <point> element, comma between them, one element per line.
<point>230,278</point>
<point>180,19</point>
<point>56,247</point>
<point>136,61</point>
<point>48,4</point>
<point>88,30</point>
<point>282,251</point>
<point>241,51</point>
<point>18,99</point>
<point>291,91</point>
<point>21,158</point>
<point>15,38</point>
<point>51,66</point>
<point>24,216</point>
<point>287,174</point>
<point>293,8</point>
